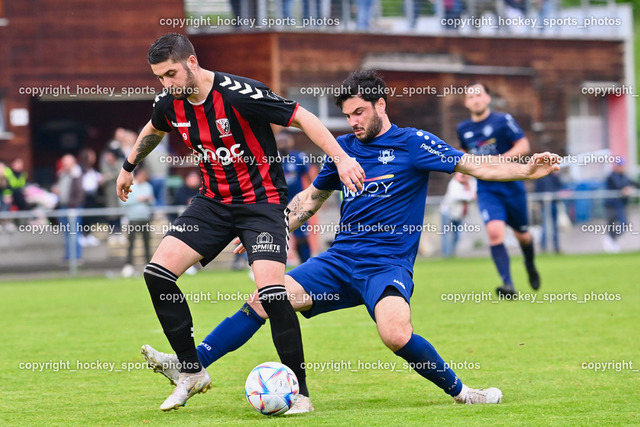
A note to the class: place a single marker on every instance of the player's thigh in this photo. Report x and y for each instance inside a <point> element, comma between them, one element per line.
<point>263,231</point>
<point>393,319</point>
<point>326,282</point>
<point>298,296</point>
<point>268,272</point>
<point>517,213</point>
<point>175,255</point>
<point>204,227</point>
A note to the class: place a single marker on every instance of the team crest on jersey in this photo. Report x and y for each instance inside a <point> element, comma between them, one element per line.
<point>224,127</point>
<point>386,156</point>
<point>487,130</point>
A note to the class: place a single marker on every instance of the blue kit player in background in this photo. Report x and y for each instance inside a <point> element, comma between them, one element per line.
<point>371,260</point>
<point>296,172</point>
<point>496,134</point>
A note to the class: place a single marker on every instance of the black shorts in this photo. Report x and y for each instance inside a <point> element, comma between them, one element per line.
<point>208,227</point>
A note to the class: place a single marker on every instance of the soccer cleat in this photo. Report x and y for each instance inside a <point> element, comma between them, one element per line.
<point>534,278</point>
<point>188,385</point>
<point>303,404</point>
<point>162,363</point>
<point>472,396</point>
<point>506,291</point>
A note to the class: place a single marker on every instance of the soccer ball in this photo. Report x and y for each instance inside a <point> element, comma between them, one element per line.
<point>271,388</point>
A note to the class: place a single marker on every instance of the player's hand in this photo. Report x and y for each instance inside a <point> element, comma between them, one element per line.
<point>542,164</point>
<point>351,173</point>
<point>123,185</point>
<point>239,249</point>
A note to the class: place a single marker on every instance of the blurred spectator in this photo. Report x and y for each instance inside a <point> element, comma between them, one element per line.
<point>418,5</point>
<point>296,172</point>
<point>516,10</point>
<point>549,210</point>
<point>139,212</point>
<point>158,168</point>
<point>546,9</point>
<point>91,180</point>
<point>616,207</point>
<point>5,201</point>
<point>461,190</point>
<point>452,11</point>
<point>363,14</point>
<point>110,165</point>
<point>70,196</point>
<point>184,194</point>
<point>310,9</point>
<point>16,178</point>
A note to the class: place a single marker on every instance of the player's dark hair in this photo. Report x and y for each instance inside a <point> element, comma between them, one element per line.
<point>368,84</point>
<point>484,86</point>
<point>172,46</point>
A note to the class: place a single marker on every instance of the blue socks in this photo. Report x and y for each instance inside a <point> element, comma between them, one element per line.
<point>501,260</point>
<point>426,361</point>
<point>229,335</point>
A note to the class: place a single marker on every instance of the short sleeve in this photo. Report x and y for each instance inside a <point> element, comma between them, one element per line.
<point>160,105</point>
<point>430,153</point>
<point>254,100</point>
<point>328,178</point>
<point>512,130</point>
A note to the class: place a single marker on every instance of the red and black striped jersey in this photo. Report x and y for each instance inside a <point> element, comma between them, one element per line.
<point>230,134</point>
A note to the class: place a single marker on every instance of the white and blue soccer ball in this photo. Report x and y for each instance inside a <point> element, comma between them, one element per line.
<point>271,388</point>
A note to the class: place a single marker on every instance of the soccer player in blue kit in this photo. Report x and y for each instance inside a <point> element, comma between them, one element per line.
<point>371,259</point>
<point>488,133</point>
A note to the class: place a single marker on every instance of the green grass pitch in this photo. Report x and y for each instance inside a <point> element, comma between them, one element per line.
<point>569,362</point>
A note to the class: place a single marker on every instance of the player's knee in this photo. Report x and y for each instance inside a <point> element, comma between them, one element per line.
<point>397,337</point>
<point>396,341</point>
<point>254,303</point>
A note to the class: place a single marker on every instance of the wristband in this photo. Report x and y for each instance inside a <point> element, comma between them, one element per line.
<point>129,167</point>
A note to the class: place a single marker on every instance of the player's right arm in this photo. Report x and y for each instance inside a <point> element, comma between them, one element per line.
<point>305,204</point>
<point>148,139</point>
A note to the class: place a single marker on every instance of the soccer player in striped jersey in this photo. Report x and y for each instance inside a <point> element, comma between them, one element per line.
<point>226,120</point>
<point>370,261</point>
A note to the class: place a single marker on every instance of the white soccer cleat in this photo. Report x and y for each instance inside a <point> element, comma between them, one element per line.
<point>188,385</point>
<point>162,363</point>
<point>303,404</point>
<point>472,396</point>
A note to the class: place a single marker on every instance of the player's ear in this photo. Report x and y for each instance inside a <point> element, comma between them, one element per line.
<point>192,62</point>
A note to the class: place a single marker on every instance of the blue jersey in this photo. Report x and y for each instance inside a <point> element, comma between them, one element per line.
<point>492,136</point>
<point>386,217</point>
<point>295,167</point>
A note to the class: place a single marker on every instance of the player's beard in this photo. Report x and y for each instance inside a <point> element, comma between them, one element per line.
<point>373,130</point>
<point>189,87</point>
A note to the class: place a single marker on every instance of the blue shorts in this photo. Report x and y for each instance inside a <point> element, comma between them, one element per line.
<point>511,208</point>
<point>336,281</point>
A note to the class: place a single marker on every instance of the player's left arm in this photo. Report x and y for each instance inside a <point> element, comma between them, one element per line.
<point>351,173</point>
<point>491,168</point>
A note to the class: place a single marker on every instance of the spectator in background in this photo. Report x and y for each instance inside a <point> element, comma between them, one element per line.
<point>549,184</point>
<point>16,178</point>
<point>296,172</point>
<point>452,11</point>
<point>91,180</point>
<point>616,207</point>
<point>461,191</point>
<point>110,165</point>
<point>515,10</point>
<point>363,14</point>
<point>70,196</point>
<point>158,168</point>
<point>139,213</point>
